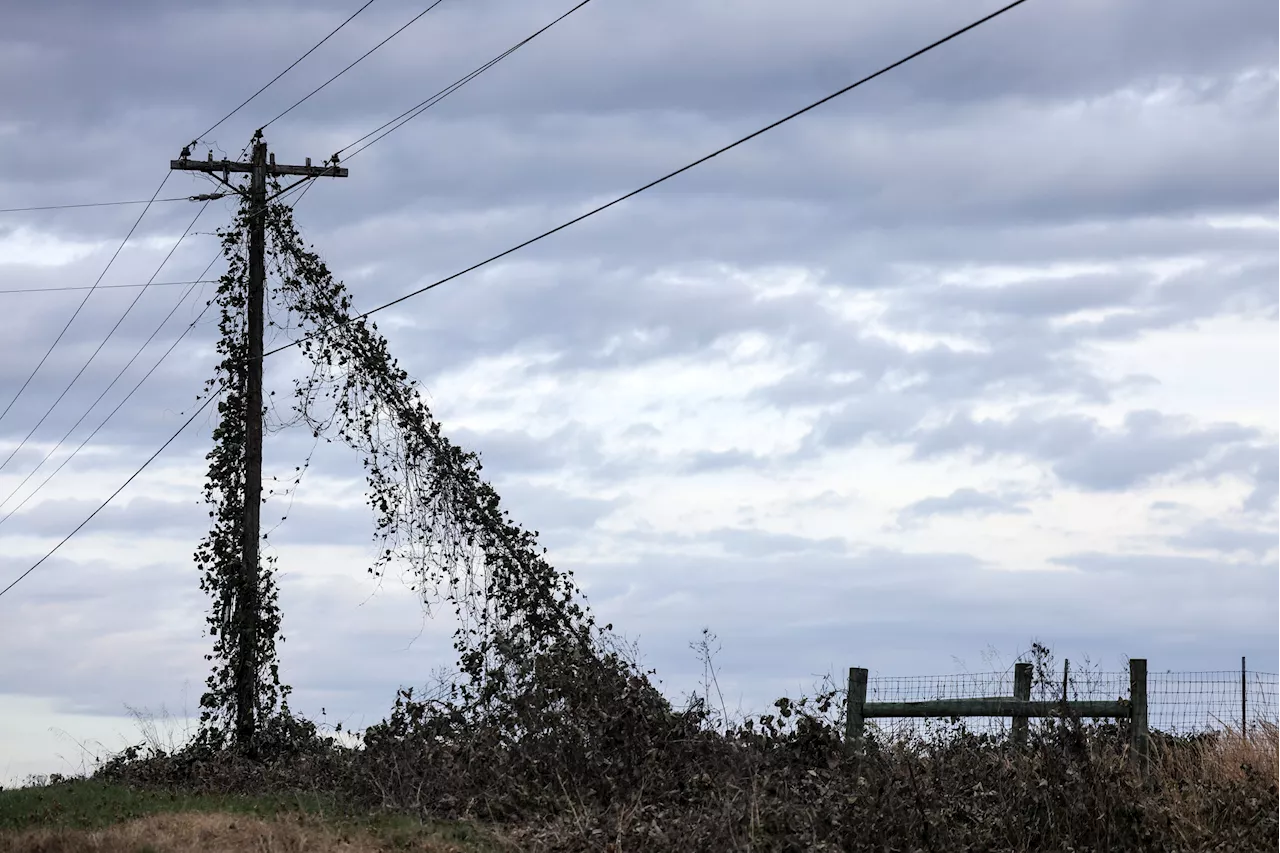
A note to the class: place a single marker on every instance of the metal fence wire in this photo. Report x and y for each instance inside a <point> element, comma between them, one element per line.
<point>1177,702</point>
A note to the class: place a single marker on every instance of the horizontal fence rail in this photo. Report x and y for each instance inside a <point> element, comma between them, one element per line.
<point>995,706</point>
<point>1019,708</point>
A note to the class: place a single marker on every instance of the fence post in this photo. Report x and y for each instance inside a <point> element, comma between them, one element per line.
<point>1244,703</point>
<point>1138,732</point>
<point>1021,690</point>
<point>854,701</point>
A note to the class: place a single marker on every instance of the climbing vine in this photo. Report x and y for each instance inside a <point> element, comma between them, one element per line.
<point>432,511</point>
<point>218,555</point>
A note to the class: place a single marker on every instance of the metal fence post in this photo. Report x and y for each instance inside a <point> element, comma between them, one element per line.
<point>856,698</point>
<point>1244,702</point>
<point>1140,741</point>
<point>1021,691</point>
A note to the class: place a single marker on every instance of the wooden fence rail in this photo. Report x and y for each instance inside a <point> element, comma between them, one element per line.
<point>1019,707</point>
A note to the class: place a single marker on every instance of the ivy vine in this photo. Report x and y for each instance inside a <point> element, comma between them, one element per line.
<point>432,510</point>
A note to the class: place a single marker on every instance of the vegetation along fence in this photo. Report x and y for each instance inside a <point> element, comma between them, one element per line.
<point>1240,701</point>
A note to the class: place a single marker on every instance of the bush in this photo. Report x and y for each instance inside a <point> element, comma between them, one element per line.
<point>581,752</point>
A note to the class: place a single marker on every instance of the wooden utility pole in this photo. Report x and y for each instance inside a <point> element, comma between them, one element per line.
<point>260,167</point>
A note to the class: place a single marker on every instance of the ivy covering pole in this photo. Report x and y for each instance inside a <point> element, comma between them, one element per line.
<point>519,616</point>
<point>245,620</point>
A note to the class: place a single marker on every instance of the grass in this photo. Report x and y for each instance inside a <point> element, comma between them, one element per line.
<point>85,814</point>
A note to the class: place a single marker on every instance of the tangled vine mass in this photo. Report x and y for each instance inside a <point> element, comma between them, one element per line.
<point>432,511</point>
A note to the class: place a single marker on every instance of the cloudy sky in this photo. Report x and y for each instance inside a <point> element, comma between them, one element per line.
<point>980,353</point>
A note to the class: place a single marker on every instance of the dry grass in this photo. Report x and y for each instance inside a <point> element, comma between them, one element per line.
<point>217,833</point>
<point>1222,759</point>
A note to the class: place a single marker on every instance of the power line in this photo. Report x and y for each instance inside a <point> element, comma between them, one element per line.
<point>795,114</point>
<point>246,101</point>
<point>151,201</point>
<point>679,171</point>
<point>132,391</point>
<point>106,286</point>
<point>304,98</point>
<point>80,307</point>
<point>113,495</point>
<point>89,360</point>
<point>101,204</point>
<point>121,373</point>
<point>417,110</point>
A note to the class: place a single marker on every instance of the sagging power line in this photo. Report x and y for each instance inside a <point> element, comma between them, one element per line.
<point>682,169</point>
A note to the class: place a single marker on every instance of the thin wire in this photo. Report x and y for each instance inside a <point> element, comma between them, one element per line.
<point>181,301</point>
<point>89,361</point>
<point>671,175</point>
<point>92,204</point>
<point>80,307</point>
<point>304,98</point>
<point>110,414</point>
<point>127,396</point>
<point>153,199</point>
<point>452,87</point>
<point>297,201</point>
<point>105,286</point>
<point>246,101</point>
<point>113,495</point>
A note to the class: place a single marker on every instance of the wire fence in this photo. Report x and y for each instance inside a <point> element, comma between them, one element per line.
<point>1177,702</point>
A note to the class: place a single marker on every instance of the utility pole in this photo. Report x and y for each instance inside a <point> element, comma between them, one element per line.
<point>260,167</point>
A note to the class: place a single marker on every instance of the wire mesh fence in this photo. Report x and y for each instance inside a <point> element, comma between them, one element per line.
<point>1178,702</point>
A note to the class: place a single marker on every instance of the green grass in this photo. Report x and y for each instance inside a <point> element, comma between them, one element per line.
<point>90,804</point>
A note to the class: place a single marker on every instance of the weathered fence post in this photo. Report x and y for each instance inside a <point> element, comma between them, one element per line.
<point>856,699</point>
<point>1022,692</point>
<point>1140,741</point>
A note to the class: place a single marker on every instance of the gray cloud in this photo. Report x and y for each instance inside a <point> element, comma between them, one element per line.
<point>1223,539</point>
<point>965,501</point>
<point>1084,454</point>
<point>757,543</point>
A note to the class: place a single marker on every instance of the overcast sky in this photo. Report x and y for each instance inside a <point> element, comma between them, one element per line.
<point>980,353</point>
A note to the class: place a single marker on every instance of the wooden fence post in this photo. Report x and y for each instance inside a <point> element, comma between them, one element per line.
<point>854,702</point>
<point>1138,732</point>
<point>1022,691</point>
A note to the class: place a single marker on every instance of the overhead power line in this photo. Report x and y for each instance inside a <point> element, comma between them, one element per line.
<point>154,198</point>
<point>123,400</point>
<point>94,355</point>
<point>80,307</point>
<point>112,496</point>
<point>269,83</point>
<point>421,107</point>
<point>105,286</point>
<point>681,170</point>
<point>363,57</point>
<point>703,159</point>
<point>103,204</point>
